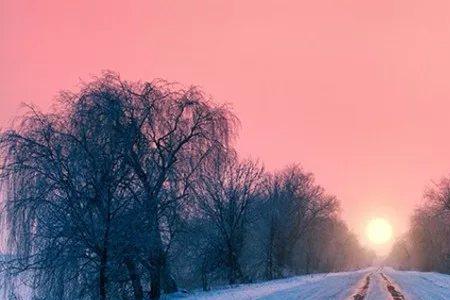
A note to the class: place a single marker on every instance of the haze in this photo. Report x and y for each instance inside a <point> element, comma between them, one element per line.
<point>355,91</point>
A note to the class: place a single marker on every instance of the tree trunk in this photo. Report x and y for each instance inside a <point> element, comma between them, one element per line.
<point>168,282</point>
<point>285,260</point>
<point>235,272</point>
<point>156,257</point>
<point>231,274</point>
<point>102,275</point>
<point>103,280</point>
<point>155,272</point>
<point>308,263</point>
<point>269,266</point>
<point>269,254</point>
<point>135,279</point>
<point>157,266</point>
<point>159,270</point>
<point>204,281</point>
<point>155,284</point>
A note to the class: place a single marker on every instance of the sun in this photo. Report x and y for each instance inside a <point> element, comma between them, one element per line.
<point>379,231</point>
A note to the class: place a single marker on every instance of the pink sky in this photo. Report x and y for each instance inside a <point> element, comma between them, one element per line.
<point>356,91</point>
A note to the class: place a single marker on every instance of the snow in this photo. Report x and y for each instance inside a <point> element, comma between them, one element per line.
<point>377,288</point>
<point>317,286</point>
<point>421,285</point>
<point>413,285</point>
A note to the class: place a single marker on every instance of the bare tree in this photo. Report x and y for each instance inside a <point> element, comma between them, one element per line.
<point>171,132</point>
<point>294,205</point>
<point>112,144</point>
<point>426,246</point>
<point>62,174</point>
<point>126,184</point>
<point>225,193</point>
<point>439,195</point>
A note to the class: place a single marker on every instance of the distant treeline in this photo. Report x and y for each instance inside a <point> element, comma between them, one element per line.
<point>129,189</point>
<point>426,246</point>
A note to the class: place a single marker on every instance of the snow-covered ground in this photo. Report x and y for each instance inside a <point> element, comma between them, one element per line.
<point>370,284</point>
<point>317,286</point>
<point>377,288</point>
<point>420,285</point>
<point>344,285</point>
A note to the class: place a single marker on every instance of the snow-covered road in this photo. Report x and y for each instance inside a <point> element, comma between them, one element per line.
<point>368,284</point>
<point>421,285</point>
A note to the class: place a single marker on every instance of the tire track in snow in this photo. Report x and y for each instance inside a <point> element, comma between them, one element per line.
<point>421,285</point>
<point>362,292</point>
<point>392,289</point>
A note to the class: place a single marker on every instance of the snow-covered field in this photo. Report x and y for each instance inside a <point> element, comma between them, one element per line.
<point>383,283</point>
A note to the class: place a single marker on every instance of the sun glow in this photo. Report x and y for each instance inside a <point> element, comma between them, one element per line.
<point>379,231</point>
